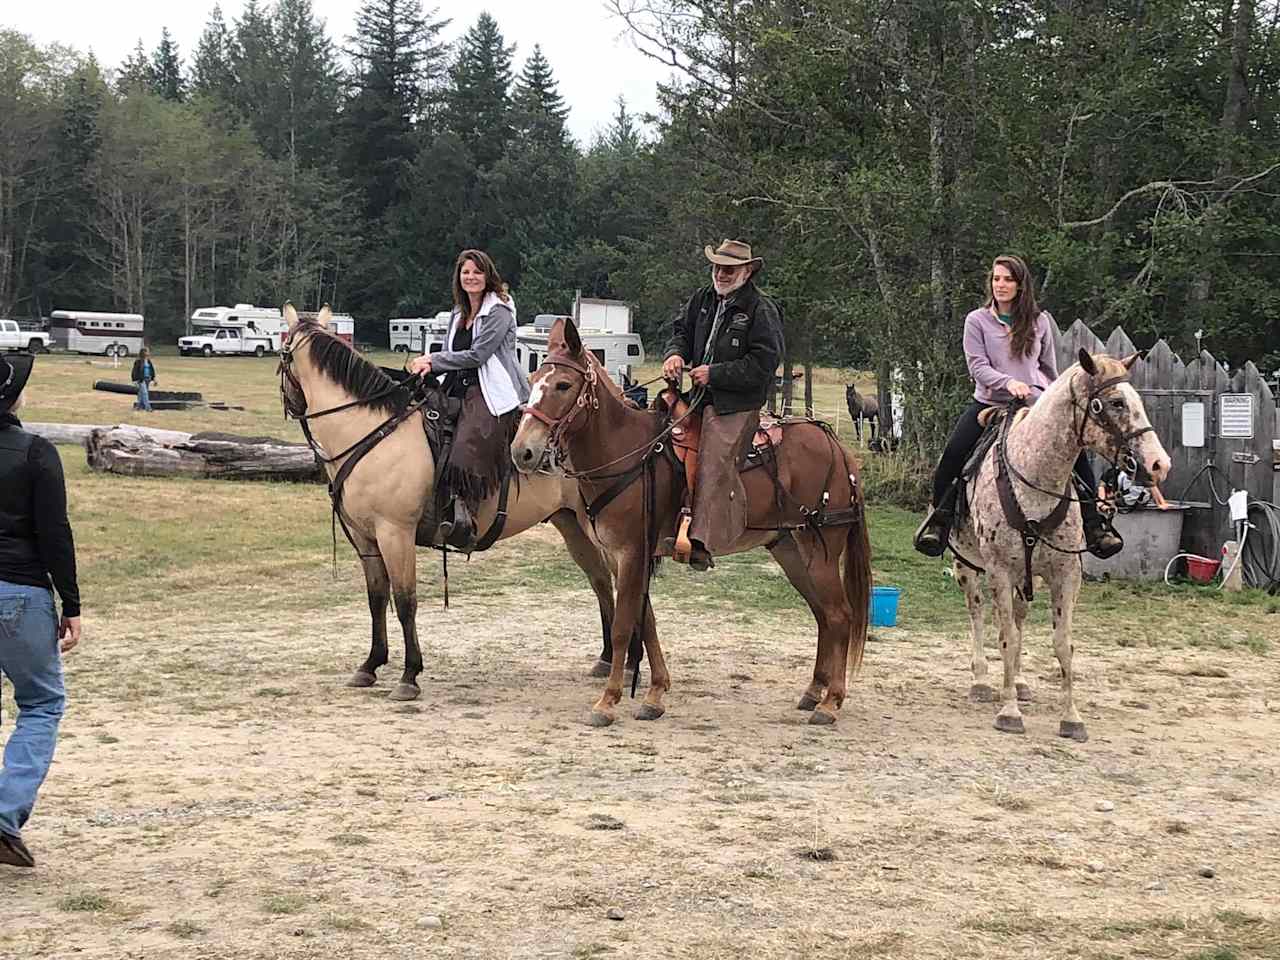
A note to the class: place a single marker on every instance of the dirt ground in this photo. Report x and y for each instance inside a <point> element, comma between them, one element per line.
<point>219,793</point>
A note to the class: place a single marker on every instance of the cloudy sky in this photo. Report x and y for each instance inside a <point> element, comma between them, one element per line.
<point>592,57</point>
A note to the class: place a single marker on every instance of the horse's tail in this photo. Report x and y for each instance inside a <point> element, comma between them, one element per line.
<point>857,579</point>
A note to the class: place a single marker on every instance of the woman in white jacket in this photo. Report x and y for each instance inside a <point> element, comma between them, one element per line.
<point>479,361</point>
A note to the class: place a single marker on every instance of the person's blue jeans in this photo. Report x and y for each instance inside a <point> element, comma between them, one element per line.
<point>144,396</point>
<point>29,658</point>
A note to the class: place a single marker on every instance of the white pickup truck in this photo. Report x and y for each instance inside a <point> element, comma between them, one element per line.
<point>13,337</point>
<point>229,341</point>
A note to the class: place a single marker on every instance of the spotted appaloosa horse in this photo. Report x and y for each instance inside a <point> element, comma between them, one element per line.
<point>1090,406</point>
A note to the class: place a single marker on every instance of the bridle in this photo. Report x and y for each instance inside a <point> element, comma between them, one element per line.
<point>584,405</point>
<point>1094,409</point>
<point>295,407</point>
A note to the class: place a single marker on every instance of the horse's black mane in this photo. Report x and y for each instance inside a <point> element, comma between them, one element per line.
<point>363,380</point>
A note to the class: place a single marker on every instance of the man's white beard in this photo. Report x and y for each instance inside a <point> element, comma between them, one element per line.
<point>723,290</point>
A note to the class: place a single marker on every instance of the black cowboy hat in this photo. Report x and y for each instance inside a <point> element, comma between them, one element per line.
<point>14,371</point>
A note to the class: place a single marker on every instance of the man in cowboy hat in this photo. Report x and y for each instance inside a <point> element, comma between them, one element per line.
<point>37,553</point>
<point>729,335</point>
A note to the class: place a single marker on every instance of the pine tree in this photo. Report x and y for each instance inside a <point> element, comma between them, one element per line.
<point>166,69</point>
<point>478,103</point>
<point>622,136</point>
<point>255,66</point>
<point>211,71</point>
<point>135,72</point>
<point>306,99</point>
<point>397,54</point>
<point>538,110</point>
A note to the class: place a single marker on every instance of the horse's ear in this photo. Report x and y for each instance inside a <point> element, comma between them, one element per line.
<point>1087,364</point>
<point>1130,360</point>
<point>572,339</point>
<point>324,316</point>
<point>290,314</point>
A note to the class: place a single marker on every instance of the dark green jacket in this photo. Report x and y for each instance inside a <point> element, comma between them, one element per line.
<point>747,350</point>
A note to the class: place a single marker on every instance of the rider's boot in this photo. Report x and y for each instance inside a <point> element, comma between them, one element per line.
<point>934,534</point>
<point>700,558</point>
<point>1100,537</point>
<point>459,530</point>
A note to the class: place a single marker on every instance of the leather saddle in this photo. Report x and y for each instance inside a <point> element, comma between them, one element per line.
<point>686,437</point>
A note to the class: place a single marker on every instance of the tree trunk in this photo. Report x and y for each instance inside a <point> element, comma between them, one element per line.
<point>139,452</point>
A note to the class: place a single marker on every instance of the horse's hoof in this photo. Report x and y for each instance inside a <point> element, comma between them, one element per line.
<point>1024,692</point>
<point>1073,730</point>
<point>649,711</point>
<point>405,691</point>
<point>981,693</point>
<point>362,679</point>
<point>821,718</point>
<point>600,668</point>
<point>1009,724</point>
<point>806,703</point>
<point>599,719</point>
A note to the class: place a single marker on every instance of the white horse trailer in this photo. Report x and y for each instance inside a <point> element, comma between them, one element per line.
<point>418,334</point>
<point>109,334</point>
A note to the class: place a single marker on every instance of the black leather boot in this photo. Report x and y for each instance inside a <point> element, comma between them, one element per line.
<point>934,534</point>
<point>1100,537</point>
<point>459,531</point>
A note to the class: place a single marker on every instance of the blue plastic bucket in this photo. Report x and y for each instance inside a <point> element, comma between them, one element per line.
<point>884,606</point>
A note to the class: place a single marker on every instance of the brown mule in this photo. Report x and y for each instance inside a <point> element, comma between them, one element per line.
<point>384,495</point>
<point>633,490</point>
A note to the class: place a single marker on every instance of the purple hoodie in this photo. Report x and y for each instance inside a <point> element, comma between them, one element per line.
<point>987,349</point>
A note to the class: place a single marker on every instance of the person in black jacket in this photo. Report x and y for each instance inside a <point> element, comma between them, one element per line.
<point>729,335</point>
<point>143,376</point>
<point>37,554</point>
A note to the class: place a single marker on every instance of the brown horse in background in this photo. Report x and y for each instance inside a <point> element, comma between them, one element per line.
<point>809,521</point>
<point>342,401</point>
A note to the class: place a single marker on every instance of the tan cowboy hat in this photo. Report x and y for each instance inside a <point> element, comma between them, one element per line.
<point>733,253</point>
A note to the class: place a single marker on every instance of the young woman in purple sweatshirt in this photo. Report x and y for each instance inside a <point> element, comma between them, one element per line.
<point>1008,344</point>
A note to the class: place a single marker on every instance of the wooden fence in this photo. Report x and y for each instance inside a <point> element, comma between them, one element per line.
<point>1167,386</point>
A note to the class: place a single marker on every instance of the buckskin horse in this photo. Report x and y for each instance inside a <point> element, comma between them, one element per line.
<point>1022,520</point>
<point>368,430</point>
<point>804,505</point>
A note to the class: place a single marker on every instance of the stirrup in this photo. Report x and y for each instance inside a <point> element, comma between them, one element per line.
<point>934,533</point>
<point>683,548</point>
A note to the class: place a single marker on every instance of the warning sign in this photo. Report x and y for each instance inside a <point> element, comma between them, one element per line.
<point>1235,416</point>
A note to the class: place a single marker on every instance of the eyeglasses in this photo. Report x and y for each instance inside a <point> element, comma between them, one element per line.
<point>726,268</point>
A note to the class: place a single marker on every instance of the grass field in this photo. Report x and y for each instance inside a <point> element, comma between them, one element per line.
<point>219,793</point>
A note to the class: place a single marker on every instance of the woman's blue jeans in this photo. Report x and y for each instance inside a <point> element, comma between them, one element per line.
<point>29,658</point>
<point>144,396</point>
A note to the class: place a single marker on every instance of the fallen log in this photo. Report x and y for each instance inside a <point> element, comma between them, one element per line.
<point>110,386</point>
<point>142,452</point>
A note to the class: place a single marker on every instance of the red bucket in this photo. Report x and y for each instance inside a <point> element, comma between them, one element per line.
<point>1201,570</point>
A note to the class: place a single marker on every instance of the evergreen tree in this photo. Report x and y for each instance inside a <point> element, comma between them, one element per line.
<point>622,136</point>
<point>538,109</point>
<point>396,54</point>
<point>135,72</point>
<point>305,103</point>
<point>478,104</point>
<point>166,70</point>
<point>211,71</point>
<point>256,68</point>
